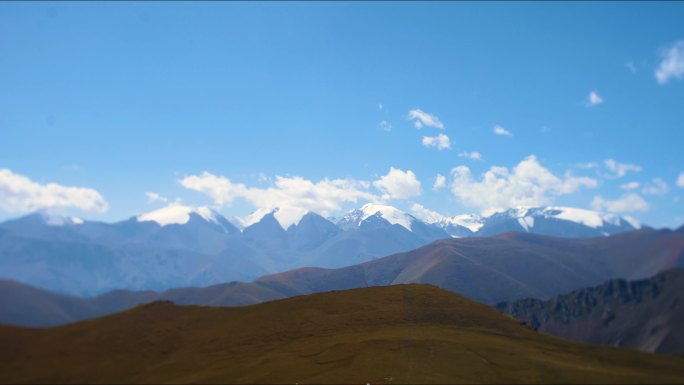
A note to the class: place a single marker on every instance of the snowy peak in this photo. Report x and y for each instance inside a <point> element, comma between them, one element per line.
<point>556,221</point>
<point>472,222</point>
<point>251,219</point>
<point>51,219</point>
<point>589,218</point>
<point>289,216</point>
<point>551,220</point>
<point>585,217</point>
<point>285,216</point>
<point>459,225</point>
<point>389,213</point>
<point>176,214</point>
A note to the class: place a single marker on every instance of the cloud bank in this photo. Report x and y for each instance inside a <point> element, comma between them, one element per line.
<point>296,195</point>
<point>527,184</point>
<point>19,194</point>
<point>398,184</point>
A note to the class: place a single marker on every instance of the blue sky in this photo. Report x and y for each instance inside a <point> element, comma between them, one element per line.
<point>124,99</point>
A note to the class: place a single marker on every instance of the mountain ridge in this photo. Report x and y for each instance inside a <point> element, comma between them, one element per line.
<point>182,246</point>
<point>643,314</point>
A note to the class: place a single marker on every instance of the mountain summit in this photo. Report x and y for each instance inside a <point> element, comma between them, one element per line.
<point>370,212</point>
<point>557,221</point>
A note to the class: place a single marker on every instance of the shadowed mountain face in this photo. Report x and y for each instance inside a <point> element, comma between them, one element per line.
<point>29,306</point>
<point>506,267</point>
<point>488,270</point>
<point>398,334</point>
<point>646,315</point>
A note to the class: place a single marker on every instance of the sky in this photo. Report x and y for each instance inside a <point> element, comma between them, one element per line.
<point>110,110</point>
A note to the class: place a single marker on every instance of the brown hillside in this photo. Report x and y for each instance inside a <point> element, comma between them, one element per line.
<point>397,334</point>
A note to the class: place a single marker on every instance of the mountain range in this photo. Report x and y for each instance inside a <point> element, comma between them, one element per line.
<point>395,334</point>
<point>490,270</point>
<point>180,246</point>
<point>644,314</point>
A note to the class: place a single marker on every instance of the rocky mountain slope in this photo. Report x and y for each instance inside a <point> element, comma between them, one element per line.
<point>646,314</point>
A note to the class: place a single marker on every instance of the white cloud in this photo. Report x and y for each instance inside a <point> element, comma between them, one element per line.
<point>619,170</point>
<point>218,188</point>
<point>588,165</point>
<point>630,202</point>
<point>398,184</point>
<point>380,106</point>
<point>19,194</point>
<point>296,193</point>
<point>528,184</point>
<point>289,194</point>
<point>630,186</point>
<point>154,197</point>
<point>425,214</point>
<point>680,180</point>
<point>440,182</point>
<point>594,99</point>
<point>440,141</point>
<point>631,67</point>
<point>421,118</point>
<point>385,125</point>
<point>672,64</point>
<point>471,155</point>
<point>322,197</point>
<point>501,131</point>
<point>656,187</point>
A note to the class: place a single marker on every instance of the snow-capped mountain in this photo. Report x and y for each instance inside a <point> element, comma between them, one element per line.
<point>552,220</point>
<point>43,218</point>
<point>464,225</point>
<point>472,222</point>
<point>557,221</point>
<point>176,214</point>
<point>285,216</point>
<point>370,213</point>
<point>181,245</point>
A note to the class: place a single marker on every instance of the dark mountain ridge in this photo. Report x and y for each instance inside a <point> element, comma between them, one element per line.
<point>645,314</point>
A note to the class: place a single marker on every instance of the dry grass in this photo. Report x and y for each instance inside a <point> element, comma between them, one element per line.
<point>397,334</point>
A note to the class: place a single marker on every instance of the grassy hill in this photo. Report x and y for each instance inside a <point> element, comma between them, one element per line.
<point>396,334</point>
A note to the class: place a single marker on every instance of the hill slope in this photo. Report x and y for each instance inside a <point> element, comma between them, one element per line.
<point>646,314</point>
<point>398,334</point>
